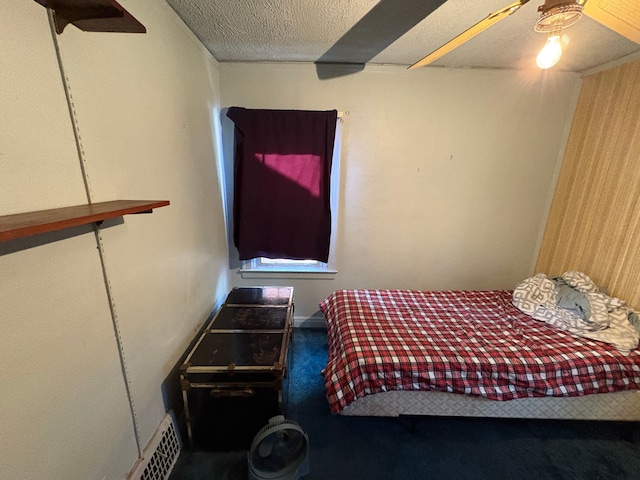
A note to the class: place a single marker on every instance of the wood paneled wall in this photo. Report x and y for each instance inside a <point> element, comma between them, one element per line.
<point>594,222</point>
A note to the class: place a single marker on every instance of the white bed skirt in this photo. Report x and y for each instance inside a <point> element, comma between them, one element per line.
<point>604,406</point>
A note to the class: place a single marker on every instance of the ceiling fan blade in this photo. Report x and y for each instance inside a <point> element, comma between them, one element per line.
<point>471,32</point>
<point>621,16</point>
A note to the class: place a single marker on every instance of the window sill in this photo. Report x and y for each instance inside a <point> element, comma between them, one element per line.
<point>299,274</point>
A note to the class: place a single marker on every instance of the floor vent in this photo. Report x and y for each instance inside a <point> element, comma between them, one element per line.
<point>161,454</point>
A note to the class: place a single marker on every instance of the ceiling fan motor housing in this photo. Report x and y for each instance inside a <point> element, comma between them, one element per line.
<point>558,13</point>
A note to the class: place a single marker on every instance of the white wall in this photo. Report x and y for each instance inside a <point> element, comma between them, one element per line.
<point>446,174</point>
<point>445,182</point>
<point>147,112</point>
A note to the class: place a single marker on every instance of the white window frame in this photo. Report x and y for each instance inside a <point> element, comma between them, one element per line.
<point>284,268</point>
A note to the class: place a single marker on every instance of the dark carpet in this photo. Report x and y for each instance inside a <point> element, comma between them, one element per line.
<point>428,447</point>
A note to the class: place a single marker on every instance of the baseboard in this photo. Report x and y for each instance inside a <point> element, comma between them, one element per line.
<point>314,321</point>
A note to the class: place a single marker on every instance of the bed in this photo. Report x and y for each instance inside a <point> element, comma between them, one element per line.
<point>468,353</point>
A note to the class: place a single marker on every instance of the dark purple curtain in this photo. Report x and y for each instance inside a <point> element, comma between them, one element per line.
<point>282,177</point>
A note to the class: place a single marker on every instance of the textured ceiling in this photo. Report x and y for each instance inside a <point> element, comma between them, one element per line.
<point>387,32</point>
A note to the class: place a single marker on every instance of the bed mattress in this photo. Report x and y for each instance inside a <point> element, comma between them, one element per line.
<point>616,406</point>
<point>472,343</point>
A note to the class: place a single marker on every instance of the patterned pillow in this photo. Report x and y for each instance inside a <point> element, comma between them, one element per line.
<point>580,282</point>
<point>534,293</point>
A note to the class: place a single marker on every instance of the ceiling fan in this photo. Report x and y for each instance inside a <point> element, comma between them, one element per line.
<point>622,16</point>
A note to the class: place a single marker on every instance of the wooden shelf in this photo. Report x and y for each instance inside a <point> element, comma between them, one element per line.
<point>92,16</point>
<point>32,223</point>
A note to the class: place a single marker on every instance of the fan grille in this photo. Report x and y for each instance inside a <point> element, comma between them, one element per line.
<point>280,450</point>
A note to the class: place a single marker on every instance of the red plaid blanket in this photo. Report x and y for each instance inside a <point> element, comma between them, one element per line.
<point>470,342</point>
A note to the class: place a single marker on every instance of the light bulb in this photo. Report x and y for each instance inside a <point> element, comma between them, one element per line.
<point>550,53</point>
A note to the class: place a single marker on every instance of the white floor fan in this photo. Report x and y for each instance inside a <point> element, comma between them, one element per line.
<point>279,451</point>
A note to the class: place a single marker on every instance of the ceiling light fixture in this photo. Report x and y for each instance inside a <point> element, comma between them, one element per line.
<point>556,16</point>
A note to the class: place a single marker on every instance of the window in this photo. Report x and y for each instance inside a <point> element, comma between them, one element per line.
<point>261,266</point>
<point>283,265</point>
<point>286,183</point>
